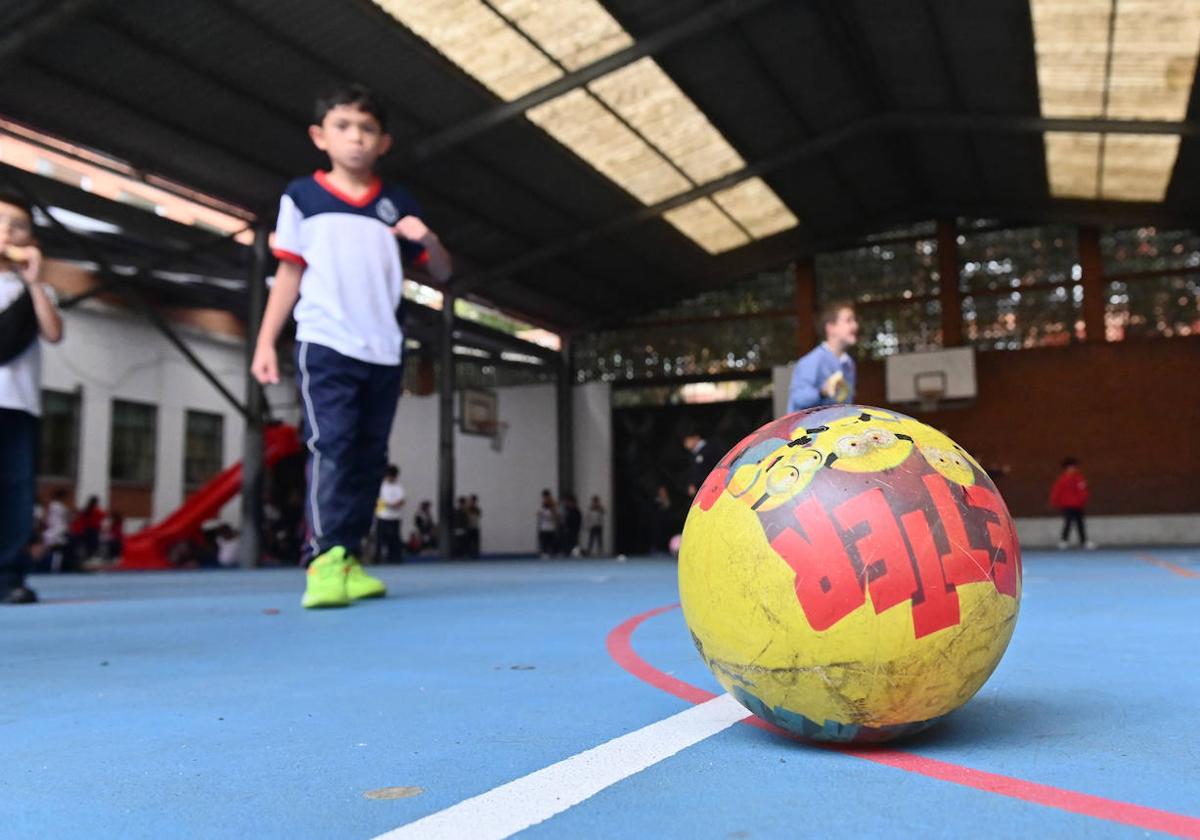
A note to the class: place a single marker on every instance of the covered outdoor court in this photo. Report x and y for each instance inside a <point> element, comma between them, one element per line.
<point>211,705</point>
<point>651,208</point>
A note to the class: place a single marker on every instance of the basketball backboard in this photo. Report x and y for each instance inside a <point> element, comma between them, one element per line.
<point>931,377</point>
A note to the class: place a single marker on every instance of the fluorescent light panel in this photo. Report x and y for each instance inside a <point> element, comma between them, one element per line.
<point>634,125</point>
<point>1153,64</point>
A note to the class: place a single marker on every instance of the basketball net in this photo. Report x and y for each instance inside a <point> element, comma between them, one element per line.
<point>930,397</point>
<point>499,430</point>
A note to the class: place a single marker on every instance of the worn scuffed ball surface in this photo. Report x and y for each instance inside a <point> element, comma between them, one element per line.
<point>850,574</point>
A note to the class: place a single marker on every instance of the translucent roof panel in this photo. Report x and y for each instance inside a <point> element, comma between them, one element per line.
<point>647,99</point>
<point>633,125</point>
<point>1138,65</point>
<point>576,32</point>
<point>1071,42</point>
<point>1116,167</point>
<point>1138,167</point>
<point>578,121</point>
<point>703,222</point>
<point>479,41</point>
<point>1155,43</point>
<point>756,208</point>
<point>1073,164</point>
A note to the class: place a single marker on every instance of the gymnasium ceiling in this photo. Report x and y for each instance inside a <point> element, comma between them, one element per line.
<point>587,160</point>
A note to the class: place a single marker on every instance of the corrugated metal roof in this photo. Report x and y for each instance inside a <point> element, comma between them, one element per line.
<point>217,94</point>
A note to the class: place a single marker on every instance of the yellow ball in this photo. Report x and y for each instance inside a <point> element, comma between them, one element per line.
<point>850,574</point>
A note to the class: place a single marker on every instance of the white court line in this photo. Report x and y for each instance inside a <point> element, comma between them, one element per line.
<point>529,800</point>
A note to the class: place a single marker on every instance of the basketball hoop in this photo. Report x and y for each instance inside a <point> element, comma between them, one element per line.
<point>930,388</point>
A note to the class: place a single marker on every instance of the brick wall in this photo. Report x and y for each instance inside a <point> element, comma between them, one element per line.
<point>1129,411</point>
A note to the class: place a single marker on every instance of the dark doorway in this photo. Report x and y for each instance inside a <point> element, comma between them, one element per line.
<point>648,454</point>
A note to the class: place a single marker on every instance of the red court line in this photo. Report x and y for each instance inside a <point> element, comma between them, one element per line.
<point>1169,566</point>
<point>620,647</point>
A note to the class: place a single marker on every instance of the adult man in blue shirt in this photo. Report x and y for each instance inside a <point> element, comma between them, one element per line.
<point>826,375</point>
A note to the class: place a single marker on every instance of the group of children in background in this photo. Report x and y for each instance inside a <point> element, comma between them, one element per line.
<point>561,526</point>
<point>387,537</point>
<point>82,540</point>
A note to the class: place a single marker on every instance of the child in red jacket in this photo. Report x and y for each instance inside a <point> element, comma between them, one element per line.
<point>1070,495</point>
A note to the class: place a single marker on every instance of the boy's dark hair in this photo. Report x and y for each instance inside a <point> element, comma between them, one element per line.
<point>18,201</point>
<point>360,96</point>
<point>1070,462</point>
<point>829,314</point>
<point>393,471</point>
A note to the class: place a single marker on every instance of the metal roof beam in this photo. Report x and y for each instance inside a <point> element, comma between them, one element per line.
<point>17,39</point>
<point>682,30</point>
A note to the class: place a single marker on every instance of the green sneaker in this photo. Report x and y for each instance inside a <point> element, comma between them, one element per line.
<point>361,585</point>
<point>327,577</point>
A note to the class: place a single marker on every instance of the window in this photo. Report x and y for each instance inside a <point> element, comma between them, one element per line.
<point>1001,260</point>
<point>1153,283</point>
<point>894,281</point>
<point>1020,287</point>
<point>60,435</point>
<point>688,348</point>
<point>1153,306</point>
<point>744,327</point>
<point>1042,317</point>
<point>883,271</point>
<point>890,327</point>
<point>204,448</point>
<point>131,455</point>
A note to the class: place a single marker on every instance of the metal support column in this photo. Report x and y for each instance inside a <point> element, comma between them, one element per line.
<point>565,404</point>
<point>446,427</point>
<point>252,444</point>
<point>948,291</point>
<point>1091,265</point>
<point>806,305</point>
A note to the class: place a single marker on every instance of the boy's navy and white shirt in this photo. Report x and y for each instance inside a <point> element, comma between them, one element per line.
<point>21,377</point>
<point>353,283</point>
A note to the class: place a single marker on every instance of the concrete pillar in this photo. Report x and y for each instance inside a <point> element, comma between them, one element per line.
<point>806,305</point>
<point>252,440</point>
<point>949,293</point>
<point>1091,264</point>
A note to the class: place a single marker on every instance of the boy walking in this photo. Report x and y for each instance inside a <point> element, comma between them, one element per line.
<point>1070,495</point>
<point>342,269</point>
<point>26,312</point>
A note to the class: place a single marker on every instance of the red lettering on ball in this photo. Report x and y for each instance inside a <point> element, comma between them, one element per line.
<point>1005,558</point>
<point>826,585</point>
<point>881,549</point>
<point>938,604</point>
<point>963,563</point>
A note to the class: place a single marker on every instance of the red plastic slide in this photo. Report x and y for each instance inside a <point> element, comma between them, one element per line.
<point>150,547</point>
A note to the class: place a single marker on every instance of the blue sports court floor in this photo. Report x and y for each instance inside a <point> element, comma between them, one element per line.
<point>211,705</point>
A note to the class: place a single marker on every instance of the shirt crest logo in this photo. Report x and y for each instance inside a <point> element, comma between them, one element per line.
<point>387,211</point>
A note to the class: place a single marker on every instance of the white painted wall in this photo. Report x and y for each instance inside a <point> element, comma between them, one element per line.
<point>593,452</point>
<point>109,354</point>
<point>509,483</point>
